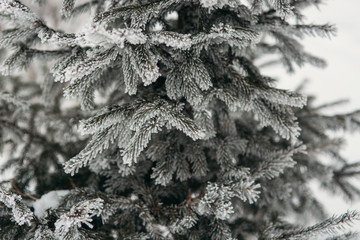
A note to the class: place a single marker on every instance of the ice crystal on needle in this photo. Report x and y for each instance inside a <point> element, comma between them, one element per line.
<point>20,212</point>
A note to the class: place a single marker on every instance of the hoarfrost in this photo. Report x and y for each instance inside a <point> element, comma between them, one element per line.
<point>20,212</point>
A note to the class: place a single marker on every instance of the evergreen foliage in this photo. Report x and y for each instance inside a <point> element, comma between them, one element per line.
<point>152,120</point>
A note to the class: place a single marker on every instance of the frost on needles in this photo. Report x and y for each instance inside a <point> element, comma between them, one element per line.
<point>153,120</point>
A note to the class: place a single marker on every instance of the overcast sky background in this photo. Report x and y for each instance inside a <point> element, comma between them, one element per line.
<point>340,80</point>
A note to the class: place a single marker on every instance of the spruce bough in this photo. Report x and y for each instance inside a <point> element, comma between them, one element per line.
<point>154,121</point>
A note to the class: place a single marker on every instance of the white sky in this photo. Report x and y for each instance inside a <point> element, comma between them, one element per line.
<point>340,80</point>
<point>342,53</point>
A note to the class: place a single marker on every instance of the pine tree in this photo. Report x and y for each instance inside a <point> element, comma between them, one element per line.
<point>151,119</point>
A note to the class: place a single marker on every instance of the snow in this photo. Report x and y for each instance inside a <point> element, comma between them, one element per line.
<point>213,4</point>
<point>172,16</point>
<point>164,231</point>
<point>81,213</point>
<point>157,27</point>
<point>134,197</point>
<point>21,214</point>
<point>47,201</point>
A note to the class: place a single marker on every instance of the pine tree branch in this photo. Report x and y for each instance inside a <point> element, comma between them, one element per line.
<point>329,226</point>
